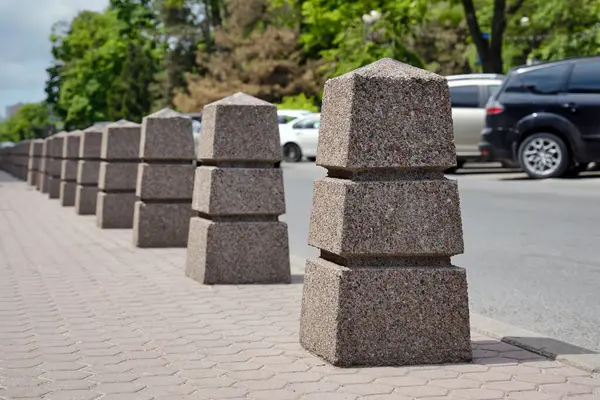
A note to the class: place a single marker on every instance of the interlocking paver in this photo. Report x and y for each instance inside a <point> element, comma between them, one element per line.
<point>84,314</point>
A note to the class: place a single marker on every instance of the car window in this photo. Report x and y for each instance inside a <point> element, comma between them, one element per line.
<point>493,90</point>
<point>464,96</point>
<point>307,124</point>
<point>585,78</point>
<point>547,80</point>
<point>284,119</point>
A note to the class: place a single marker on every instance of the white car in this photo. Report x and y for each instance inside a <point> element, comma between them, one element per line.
<point>286,116</point>
<point>299,138</point>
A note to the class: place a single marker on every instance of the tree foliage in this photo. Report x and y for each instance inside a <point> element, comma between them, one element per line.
<point>30,121</point>
<point>140,55</point>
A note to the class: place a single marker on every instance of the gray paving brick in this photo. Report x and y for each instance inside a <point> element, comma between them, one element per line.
<point>84,314</point>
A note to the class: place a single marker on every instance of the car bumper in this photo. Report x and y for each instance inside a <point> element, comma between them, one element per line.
<point>493,145</point>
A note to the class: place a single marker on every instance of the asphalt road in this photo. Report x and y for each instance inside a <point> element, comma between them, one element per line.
<point>532,248</point>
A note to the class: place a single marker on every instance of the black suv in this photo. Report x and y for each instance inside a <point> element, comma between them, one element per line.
<point>547,118</point>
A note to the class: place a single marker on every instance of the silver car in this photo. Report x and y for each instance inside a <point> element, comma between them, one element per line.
<point>469,95</point>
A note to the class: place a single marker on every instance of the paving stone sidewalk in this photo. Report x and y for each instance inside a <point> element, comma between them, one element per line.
<point>85,315</point>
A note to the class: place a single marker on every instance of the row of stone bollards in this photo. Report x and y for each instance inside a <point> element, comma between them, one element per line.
<point>383,290</point>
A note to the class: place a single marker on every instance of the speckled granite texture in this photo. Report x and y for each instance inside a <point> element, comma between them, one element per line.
<point>88,168</point>
<point>410,217</point>
<point>86,198</point>
<point>115,210</point>
<point>237,238</point>
<point>238,252</point>
<point>55,145</point>
<point>117,176</point>
<point>165,182</point>
<point>239,191</point>
<point>71,144</point>
<point>386,114</point>
<point>240,127</point>
<point>67,193</point>
<point>53,187</point>
<point>384,291</point>
<point>385,316</point>
<point>121,141</point>
<point>68,171</point>
<point>34,161</point>
<point>88,172</point>
<point>161,225</point>
<point>32,177</point>
<point>166,135</point>
<point>90,143</point>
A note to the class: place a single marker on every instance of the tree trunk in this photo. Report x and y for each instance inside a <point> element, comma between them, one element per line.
<point>481,43</point>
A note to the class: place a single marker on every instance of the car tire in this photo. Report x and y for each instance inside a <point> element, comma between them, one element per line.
<point>311,159</point>
<point>544,155</point>
<point>292,152</point>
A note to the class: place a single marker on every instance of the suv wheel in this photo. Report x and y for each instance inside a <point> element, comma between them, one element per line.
<point>544,155</point>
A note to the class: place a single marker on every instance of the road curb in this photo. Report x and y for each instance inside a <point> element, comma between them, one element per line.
<point>566,353</point>
<point>553,349</point>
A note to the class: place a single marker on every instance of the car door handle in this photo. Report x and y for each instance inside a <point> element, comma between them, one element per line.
<point>571,106</point>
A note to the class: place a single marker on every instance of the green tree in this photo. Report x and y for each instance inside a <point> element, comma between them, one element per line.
<point>30,121</point>
<point>104,64</point>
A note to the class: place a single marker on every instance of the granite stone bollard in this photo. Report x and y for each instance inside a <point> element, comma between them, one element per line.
<point>383,291</point>
<point>238,194</point>
<point>68,172</point>
<point>88,170</point>
<point>34,162</point>
<point>118,175</point>
<point>43,177</point>
<point>55,164</point>
<point>165,181</point>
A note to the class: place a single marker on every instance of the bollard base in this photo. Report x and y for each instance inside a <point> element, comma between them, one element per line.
<point>32,177</point>
<point>67,193</point>
<point>53,187</point>
<point>238,252</point>
<point>161,225</point>
<point>85,200</point>
<point>115,210</point>
<point>44,183</point>
<point>385,316</point>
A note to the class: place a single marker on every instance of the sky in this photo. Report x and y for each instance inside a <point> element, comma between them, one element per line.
<point>25,27</point>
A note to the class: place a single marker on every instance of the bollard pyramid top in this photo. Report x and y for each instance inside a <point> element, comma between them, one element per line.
<point>70,147</point>
<point>35,147</point>
<point>240,128</point>
<point>120,141</point>
<point>386,115</point>
<point>90,142</point>
<point>55,144</point>
<point>166,135</point>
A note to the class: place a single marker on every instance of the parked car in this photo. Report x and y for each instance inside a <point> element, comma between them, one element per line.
<point>286,116</point>
<point>299,138</point>
<point>196,126</point>
<point>547,118</point>
<point>469,95</point>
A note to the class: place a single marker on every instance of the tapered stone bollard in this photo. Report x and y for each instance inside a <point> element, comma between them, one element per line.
<point>55,164</point>
<point>238,194</point>
<point>34,162</point>
<point>383,291</point>
<point>68,172</point>
<point>88,170</point>
<point>43,177</point>
<point>165,181</point>
<point>118,175</point>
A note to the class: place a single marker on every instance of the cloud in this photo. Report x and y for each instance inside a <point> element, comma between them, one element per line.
<point>25,27</point>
